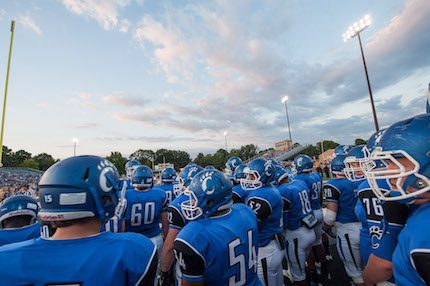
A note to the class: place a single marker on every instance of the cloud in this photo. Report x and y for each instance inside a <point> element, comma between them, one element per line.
<point>154,139</point>
<point>124,25</point>
<point>28,22</point>
<point>236,70</point>
<point>105,12</point>
<point>86,125</point>
<point>124,99</point>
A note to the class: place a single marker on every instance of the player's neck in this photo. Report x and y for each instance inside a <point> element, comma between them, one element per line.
<point>79,230</point>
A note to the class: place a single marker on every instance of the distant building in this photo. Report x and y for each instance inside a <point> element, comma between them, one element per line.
<point>160,167</point>
<point>284,145</point>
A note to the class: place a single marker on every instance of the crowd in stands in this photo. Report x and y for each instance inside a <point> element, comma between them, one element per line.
<point>15,181</point>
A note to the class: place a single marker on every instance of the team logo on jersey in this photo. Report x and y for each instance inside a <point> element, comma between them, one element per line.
<point>375,235</point>
<point>207,184</point>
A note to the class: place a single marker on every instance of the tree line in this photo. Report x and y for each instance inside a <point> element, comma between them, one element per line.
<point>179,158</point>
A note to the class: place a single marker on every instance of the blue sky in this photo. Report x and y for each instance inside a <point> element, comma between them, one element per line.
<point>128,74</point>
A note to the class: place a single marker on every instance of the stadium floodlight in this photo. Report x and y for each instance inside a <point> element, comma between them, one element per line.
<point>353,31</point>
<point>225,140</point>
<point>284,100</point>
<point>75,142</point>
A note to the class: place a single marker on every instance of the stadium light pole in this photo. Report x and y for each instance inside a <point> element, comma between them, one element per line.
<point>284,100</point>
<point>225,140</point>
<point>12,30</point>
<point>353,31</point>
<point>75,142</point>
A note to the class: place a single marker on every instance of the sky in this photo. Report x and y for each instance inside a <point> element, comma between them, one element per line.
<point>122,75</point>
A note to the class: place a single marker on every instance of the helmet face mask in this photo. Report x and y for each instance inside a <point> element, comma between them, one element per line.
<point>209,192</point>
<point>353,162</point>
<point>252,180</point>
<point>190,208</point>
<point>398,169</point>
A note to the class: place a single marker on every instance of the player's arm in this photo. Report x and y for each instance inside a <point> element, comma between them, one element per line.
<point>176,223</point>
<point>191,263</point>
<point>377,270</point>
<point>164,223</point>
<point>163,217</point>
<point>260,207</point>
<point>331,197</point>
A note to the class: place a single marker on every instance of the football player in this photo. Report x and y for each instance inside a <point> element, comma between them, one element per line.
<point>129,167</point>
<point>18,219</point>
<point>168,177</point>
<point>231,164</point>
<point>146,207</point>
<point>78,194</point>
<point>402,158</point>
<point>219,244</point>
<point>339,193</point>
<point>341,150</point>
<point>303,165</point>
<point>176,222</point>
<point>299,222</point>
<point>238,193</point>
<point>383,221</point>
<point>266,202</point>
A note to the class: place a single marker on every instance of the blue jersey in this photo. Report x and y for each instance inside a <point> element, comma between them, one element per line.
<point>314,183</point>
<point>11,235</point>
<point>103,259</point>
<point>144,210</point>
<point>239,194</point>
<point>342,192</point>
<point>113,225</point>
<point>168,189</point>
<point>175,216</point>
<point>267,204</point>
<point>384,220</point>
<point>220,250</point>
<point>296,198</point>
<point>411,258</point>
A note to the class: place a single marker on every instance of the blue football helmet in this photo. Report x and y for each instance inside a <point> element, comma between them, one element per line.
<point>337,165</point>
<point>303,163</point>
<point>142,177</point>
<point>209,191</point>
<point>18,206</point>
<point>209,167</point>
<point>79,187</point>
<point>130,166</point>
<point>259,173</point>
<point>341,150</point>
<point>232,164</point>
<point>280,174</point>
<point>184,178</point>
<point>239,173</point>
<point>168,175</point>
<point>353,162</point>
<point>404,150</point>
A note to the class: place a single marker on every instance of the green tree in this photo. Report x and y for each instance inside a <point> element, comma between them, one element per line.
<point>20,156</point>
<point>118,160</point>
<point>7,157</point>
<point>360,141</point>
<point>145,157</point>
<point>44,161</point>
<point>248,151</point>
<point>177,157</point>
<point>30,163</point>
